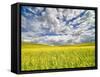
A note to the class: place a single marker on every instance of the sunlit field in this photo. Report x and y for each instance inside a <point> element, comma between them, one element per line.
<point>42,57</point>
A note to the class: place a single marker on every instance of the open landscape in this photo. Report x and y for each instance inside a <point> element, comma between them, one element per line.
<point>57,38</point>
<point>42,57</point>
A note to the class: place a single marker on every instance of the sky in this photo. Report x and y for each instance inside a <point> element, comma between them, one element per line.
<point>57,26</point>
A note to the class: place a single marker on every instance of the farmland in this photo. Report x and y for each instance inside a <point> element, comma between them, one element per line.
<point>41,57</point>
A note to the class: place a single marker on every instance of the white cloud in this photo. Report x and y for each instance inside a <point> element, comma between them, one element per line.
<point>58,26</point>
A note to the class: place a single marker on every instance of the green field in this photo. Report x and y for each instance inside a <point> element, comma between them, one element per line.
<point>40,57</point>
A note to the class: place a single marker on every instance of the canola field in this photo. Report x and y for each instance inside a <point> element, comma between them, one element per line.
<point>42,57</point>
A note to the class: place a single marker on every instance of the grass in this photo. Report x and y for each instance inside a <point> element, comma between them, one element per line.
<point>40,57</point>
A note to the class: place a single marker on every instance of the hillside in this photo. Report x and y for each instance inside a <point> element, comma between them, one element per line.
<point>26,44</point>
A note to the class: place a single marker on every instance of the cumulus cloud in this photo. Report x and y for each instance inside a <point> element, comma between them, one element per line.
<point>57,26</point>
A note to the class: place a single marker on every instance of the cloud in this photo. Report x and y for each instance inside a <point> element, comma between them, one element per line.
<point>57,26</point>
